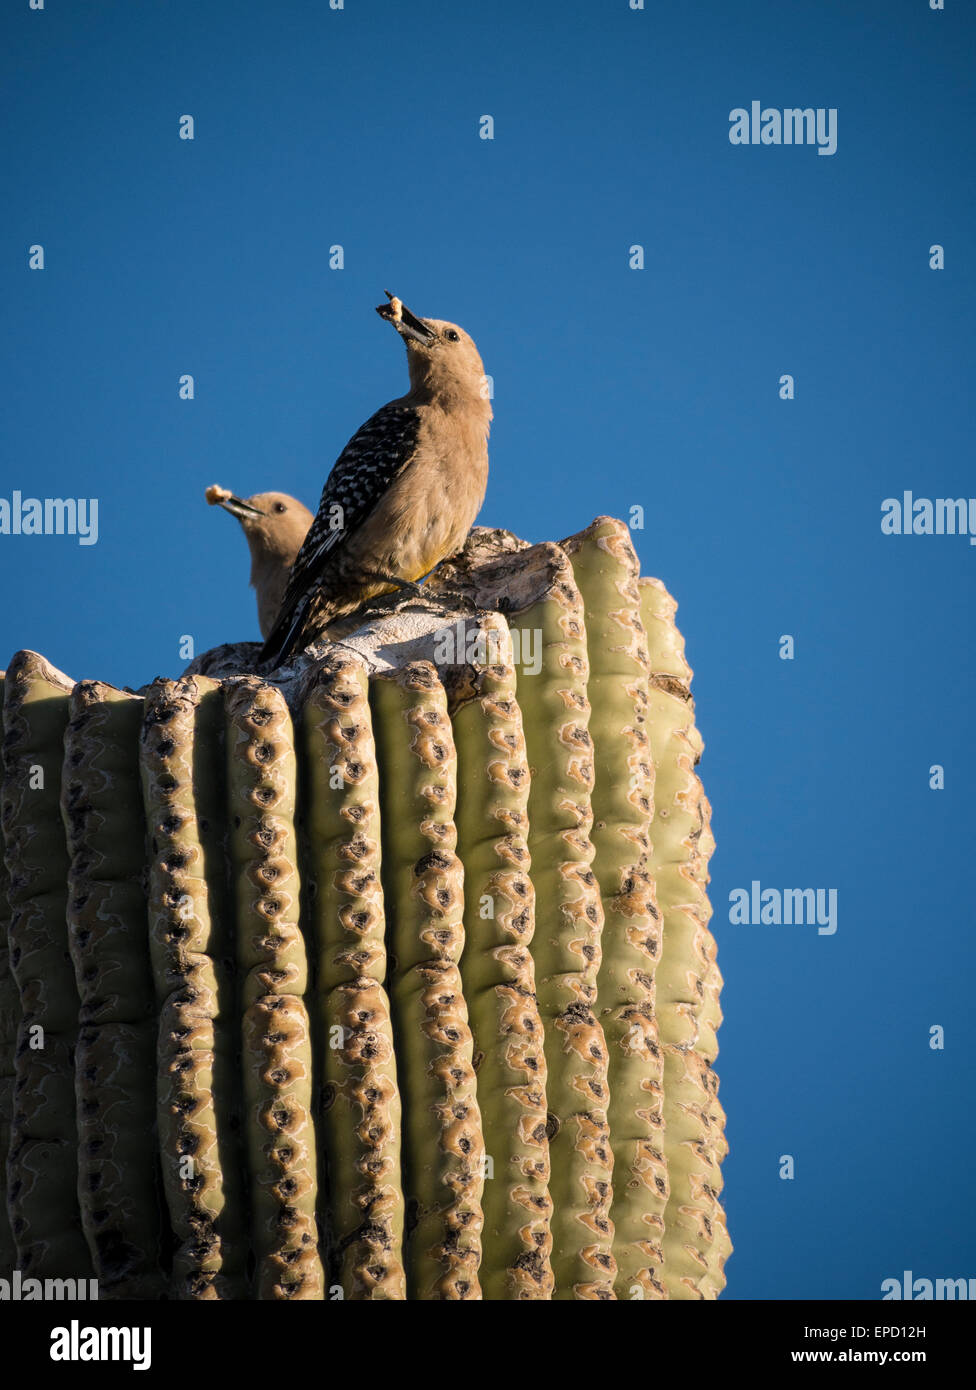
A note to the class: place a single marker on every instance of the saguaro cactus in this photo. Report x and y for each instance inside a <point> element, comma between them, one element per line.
<point>384,976</point>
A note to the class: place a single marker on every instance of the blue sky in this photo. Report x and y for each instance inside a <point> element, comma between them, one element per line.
<point>613,387</point>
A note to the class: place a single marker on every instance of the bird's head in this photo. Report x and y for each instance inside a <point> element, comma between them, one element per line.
<point>441,357</point>
<point>272,521</point>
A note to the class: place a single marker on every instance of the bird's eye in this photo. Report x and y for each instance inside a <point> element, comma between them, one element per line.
<point>452,337</point>
<point>279,506</point>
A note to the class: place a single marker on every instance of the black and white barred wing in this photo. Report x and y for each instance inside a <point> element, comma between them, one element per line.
<point>373,458</point>
<point>375,455</point>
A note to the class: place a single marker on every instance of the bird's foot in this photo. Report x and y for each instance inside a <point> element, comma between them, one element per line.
<point>460,599</point>
<point>408,592</point>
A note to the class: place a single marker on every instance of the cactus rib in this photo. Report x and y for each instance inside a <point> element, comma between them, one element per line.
<point>498,978</point>
<point>197,1086</point>
<point>9,1027</point>
<point>276,1041</point>
<point>118,1160</point>
<point>606,570</point>
<point>566,945</point>
<point>42,1191</point>
<point>362,1204</point>
<point>443,1145</point>
<point>687,979</point>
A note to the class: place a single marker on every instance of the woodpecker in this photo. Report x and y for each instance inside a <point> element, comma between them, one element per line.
<point>403,494</point>
<point>275,526</point>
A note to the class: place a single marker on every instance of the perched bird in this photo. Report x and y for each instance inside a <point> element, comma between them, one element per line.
<point>404,492</point>
<point>275,526</point>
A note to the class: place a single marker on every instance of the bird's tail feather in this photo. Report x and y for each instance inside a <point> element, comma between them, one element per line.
<point>284,637</point>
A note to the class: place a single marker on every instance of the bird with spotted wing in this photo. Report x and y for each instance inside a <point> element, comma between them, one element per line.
<point>404,492</point>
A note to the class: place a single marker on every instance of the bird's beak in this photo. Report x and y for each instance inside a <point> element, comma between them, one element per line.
<point>238,507</point>
<point>406,324</point>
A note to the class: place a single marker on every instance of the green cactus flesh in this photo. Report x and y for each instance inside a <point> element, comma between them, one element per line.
<point>443,1147</point>
<point>198,1100</point>
<point>118,1163</point>
<point>361,1196</point>
<point>606,571</point>
<point>276,1052</point>
<point>498,979</point>
<point>567,940</point>
<point>687,979</point>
